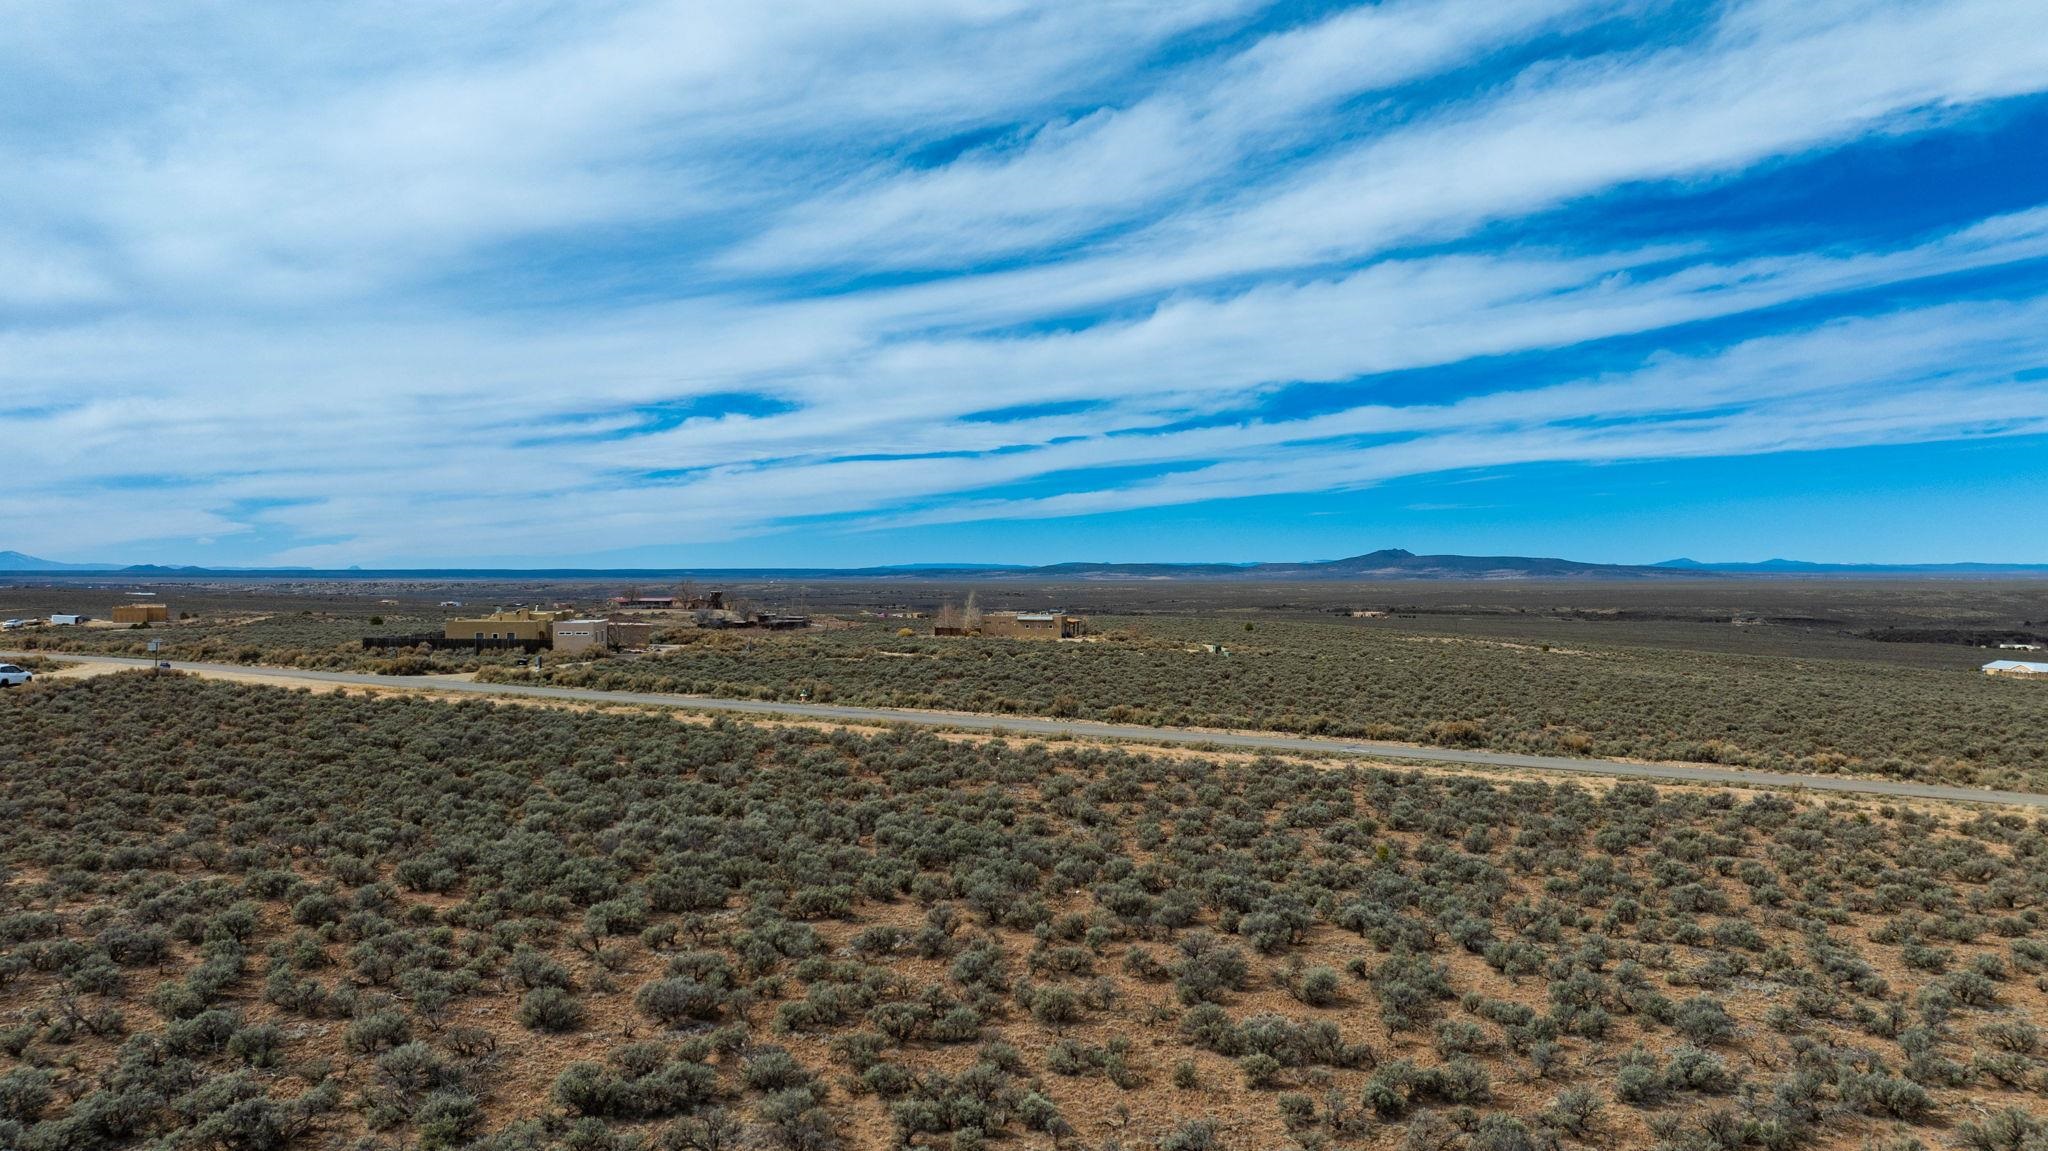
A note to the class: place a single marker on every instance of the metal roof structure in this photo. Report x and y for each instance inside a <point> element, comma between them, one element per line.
<point>2019,665</point>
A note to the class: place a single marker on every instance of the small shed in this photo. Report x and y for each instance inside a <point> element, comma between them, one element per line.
<point>574,635</point>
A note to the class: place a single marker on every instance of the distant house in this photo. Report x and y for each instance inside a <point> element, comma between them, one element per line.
<point>522,626</point>
<point>569,636</point>
<point>2015,667</point>
<point>708,601</point>
<point>1059,623</point>
<point>659,602</point>
<point>141,613</point>
<point>1011,625</point>
<point>574,635</point>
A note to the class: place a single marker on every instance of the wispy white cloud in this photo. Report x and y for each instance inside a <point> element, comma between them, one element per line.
<point>402,136</point>
<point>1065,180</point>
<point>1781,411</point>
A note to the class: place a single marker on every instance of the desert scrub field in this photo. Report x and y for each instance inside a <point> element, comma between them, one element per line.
<point>320,639</point>
<point>250,918</point>
<point>1757,710</point>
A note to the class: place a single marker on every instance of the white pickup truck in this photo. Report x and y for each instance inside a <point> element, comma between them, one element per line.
<point>11,675</point>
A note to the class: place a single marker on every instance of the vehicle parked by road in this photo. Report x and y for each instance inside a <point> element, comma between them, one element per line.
<point>11,674</point>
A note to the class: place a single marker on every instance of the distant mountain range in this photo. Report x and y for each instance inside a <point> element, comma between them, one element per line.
<point>17,562</point>
<point>1386,564</point>
<point>1804,567</point>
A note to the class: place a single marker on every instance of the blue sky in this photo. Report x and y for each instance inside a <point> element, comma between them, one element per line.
<point>885,281</point>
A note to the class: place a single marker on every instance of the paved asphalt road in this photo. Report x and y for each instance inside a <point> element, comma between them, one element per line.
<point>1247,741</point>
